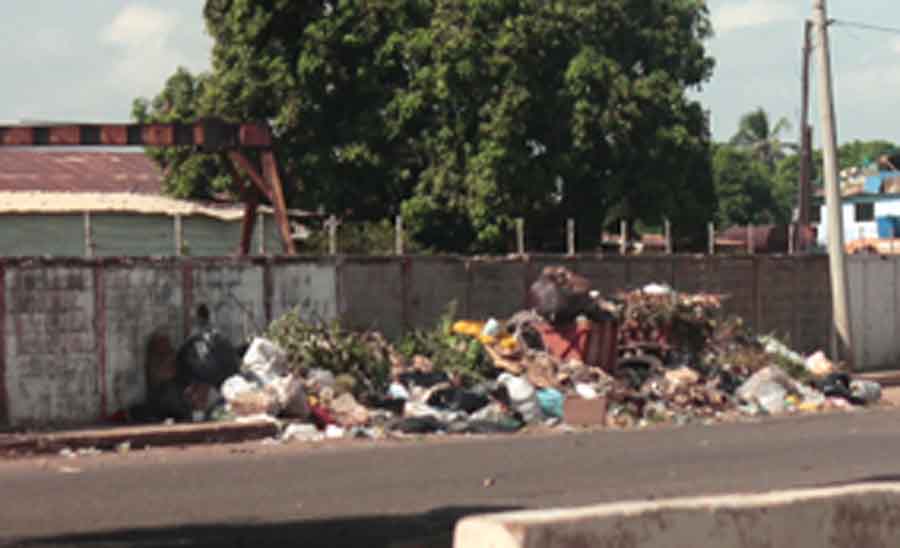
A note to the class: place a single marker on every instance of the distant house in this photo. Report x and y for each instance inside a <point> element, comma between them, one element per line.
<point>64,203</point>
<point>870,203</point>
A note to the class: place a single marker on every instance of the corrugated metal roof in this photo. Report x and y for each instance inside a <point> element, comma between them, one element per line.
<point>113,202</point>
<point>33,170</point>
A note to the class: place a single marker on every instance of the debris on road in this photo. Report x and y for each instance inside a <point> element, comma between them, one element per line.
<point>637,358</point>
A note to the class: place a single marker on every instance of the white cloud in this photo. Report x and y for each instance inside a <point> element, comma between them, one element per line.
<point>143,37</point>
<point>751,13</point>
<point>139,26</point>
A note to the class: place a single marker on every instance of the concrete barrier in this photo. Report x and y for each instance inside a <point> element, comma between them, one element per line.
<point>856,516</point>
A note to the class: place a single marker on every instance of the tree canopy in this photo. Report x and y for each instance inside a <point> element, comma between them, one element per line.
<point>762,139</point>
<point>463,114</point>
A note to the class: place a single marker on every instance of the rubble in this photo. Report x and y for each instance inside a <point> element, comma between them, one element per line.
<point>637,358</point>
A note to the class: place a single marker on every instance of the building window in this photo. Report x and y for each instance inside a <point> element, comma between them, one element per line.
<point>815,214</point>
<point>864,212</point>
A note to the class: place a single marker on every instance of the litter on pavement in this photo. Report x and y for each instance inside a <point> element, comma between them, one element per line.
<point>631,359</point>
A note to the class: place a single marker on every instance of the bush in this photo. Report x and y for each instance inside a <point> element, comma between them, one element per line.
<point>364,356</point>
<point>448,351</point>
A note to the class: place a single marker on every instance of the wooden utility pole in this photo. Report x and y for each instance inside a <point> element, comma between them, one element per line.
<point>805,187</point>
<point>842,346</point>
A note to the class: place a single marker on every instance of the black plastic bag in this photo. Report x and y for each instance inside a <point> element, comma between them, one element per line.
<point>208,357</point>
<point>457,399</point>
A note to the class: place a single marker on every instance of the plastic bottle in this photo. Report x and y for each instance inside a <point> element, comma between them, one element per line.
<point>522,397</point>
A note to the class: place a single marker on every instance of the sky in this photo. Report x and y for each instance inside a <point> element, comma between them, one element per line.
<point>86,61</point>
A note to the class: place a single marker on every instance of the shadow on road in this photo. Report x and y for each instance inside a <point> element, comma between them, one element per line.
<point>430,529</point>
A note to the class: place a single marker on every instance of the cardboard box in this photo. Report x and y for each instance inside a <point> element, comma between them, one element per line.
<point>582,412</point>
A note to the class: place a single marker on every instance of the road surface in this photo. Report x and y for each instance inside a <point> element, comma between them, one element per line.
<point>411,493</point>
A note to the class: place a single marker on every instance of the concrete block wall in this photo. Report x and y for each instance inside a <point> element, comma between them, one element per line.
<point>75,331</point>
<point>74,338</point>
<point>139,300</point>
<point>53,370</point>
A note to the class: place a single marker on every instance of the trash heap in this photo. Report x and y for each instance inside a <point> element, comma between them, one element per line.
<point>637,358</point>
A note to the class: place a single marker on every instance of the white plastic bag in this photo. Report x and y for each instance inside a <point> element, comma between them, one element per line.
<point>290,395</point>
<point>265,360</point>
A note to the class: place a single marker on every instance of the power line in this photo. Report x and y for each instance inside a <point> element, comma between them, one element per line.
<point>865,26</point>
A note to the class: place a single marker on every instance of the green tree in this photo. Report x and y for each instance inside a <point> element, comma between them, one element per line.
<point>549,110</point>
<point>862,153</point>
<point>187,174</point>
<point>745,190</point>
<point>464,114</point>
<point>763,140</point>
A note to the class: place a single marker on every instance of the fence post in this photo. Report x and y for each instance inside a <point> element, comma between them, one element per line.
<point>520,235</point>
<point>792,235</point>
<point>261,221</point>
<point>623,237</point>
<point>751,248</point>
<point>570,236</point>
<point>711,235</point>
<point>179,236</point>
<point>668,231</point>
<point>88,235</point>
<point>398,236</point>
<point>332,224</point>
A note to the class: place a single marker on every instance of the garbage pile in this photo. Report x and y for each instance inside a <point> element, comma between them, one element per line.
<point>640,357</point>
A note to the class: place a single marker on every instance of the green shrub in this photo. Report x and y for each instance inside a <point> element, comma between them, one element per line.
<point>448,351</point>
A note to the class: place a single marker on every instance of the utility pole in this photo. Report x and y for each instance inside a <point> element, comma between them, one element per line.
<point>842,345</point>
<point>804,188</point>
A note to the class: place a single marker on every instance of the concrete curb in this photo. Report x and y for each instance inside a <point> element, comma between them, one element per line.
<point>137,436</point>
<point>885,378</point>
<point>842,517</point>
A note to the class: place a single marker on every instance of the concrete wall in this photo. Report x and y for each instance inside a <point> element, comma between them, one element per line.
<point>75,330</point>
<point>866,514</point>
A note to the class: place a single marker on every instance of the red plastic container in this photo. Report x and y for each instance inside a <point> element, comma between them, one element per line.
<point>593,343</point>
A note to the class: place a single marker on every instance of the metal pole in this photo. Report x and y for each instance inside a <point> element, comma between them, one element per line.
<point>668,229</point>
<point>88,235</point>
<point>332,224</point>
<point>398,235</point>
<point>711,235</point>
<point>623,237</point>
<point>261,221</point>
<point>570,236</point>
<point>179,236</point>
<point>520,235</point>
<point>792,234</point>
<point>840,296</point>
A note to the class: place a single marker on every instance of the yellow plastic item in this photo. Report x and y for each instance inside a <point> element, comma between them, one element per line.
<point>468,327</point>
<point>487,339</point>
<point>509,343</point>
<point>809,407</point>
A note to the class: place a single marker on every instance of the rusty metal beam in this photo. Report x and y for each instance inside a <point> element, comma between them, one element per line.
<point>251,202</point>
<point>241,162</point>
<point>270,172</point>
<point>209,135</point>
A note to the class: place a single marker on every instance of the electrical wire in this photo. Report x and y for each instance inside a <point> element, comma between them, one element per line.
<point>865,26</point>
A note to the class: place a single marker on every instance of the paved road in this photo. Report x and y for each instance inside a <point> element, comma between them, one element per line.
<point>411,493</point>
